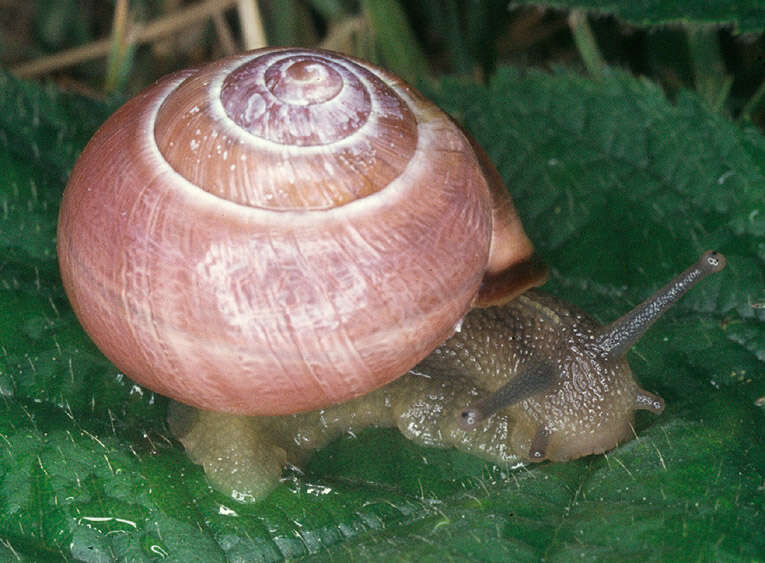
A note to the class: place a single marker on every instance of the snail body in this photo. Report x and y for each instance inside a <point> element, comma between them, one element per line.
<point>543,381</point>
<point>290,230</point>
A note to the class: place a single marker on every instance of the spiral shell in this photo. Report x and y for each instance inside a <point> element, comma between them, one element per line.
<point>279,231</point>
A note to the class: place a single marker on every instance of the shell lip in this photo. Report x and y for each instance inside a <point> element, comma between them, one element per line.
<point>498,289</point>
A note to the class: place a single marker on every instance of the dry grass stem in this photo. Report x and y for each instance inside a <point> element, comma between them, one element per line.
<point>251,23</point>
<point>140,33</point>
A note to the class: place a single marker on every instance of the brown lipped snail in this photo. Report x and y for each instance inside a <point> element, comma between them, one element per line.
<point>289,230</point>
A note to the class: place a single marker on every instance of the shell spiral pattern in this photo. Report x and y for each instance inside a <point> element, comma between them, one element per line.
<point>330,127</point>
<point>275,232</point>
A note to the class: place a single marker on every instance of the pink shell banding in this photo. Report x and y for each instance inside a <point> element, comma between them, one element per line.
<point>320,131</point>
<point>234,267</point>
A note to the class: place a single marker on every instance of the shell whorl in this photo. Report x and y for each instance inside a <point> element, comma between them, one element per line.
<point>324,131</point>
<point>222,247</point>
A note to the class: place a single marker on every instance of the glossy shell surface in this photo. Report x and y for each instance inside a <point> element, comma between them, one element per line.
<point>276,232</point>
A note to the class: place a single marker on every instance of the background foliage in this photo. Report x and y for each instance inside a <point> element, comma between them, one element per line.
<point>621,179</point>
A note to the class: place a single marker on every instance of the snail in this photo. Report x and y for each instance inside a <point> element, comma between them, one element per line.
<point>299,233</point>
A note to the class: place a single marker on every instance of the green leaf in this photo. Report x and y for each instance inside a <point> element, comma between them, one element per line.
<point>747,16</point>
<point>618,188</point>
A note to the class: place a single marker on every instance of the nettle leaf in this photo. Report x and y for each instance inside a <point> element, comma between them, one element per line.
<point>746,17</point>
<point>618,188</point>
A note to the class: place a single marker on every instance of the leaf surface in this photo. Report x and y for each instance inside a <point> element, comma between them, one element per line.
<point>618,188</point>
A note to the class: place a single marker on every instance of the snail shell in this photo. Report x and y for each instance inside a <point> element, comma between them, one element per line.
<point>280,231</point>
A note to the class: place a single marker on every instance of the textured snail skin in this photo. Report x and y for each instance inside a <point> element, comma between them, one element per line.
<point>281,231</point>
<point>543,379</point>
<point>590,412</point>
